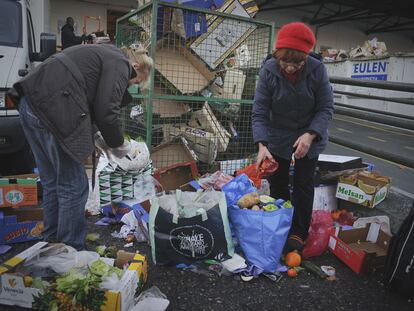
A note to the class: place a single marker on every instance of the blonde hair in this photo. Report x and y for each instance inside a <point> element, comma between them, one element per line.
<point>139,54</point>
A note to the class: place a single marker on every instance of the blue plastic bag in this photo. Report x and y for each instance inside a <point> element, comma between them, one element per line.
<point>261,235</point>
<point>237,188</point>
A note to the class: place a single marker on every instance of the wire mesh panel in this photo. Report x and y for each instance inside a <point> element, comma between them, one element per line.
<point>198,106</point>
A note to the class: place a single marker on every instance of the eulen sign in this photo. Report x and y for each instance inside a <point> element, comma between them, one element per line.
<point>371,70</point>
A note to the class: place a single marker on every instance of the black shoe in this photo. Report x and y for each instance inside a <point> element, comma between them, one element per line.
<point>295,243</point>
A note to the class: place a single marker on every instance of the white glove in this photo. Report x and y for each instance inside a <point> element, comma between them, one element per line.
<point>122,150</point>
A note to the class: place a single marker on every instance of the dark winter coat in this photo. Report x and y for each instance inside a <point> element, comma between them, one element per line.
<point>85,88</point>
<point>69,38</point>
<point>282,111</point>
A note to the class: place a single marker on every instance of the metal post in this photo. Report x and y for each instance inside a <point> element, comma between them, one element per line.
<point>154,19</point>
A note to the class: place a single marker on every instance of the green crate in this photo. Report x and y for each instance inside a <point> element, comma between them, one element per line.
<point>206,68</point>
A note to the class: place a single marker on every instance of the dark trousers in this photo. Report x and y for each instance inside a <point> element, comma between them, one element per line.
<point>303,191</point>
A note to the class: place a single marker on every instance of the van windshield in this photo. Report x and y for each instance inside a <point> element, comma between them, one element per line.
<point>10,23</point>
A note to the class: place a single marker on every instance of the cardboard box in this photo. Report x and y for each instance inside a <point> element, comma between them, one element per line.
<point>14,292</point>
<point>223,36</point>
<point>182,69</point>
<point>188,24</point>
<point>325,199</point>
<point>204,144</point>
<point>173,177</point>
<point>329,162</point>
<point>206,120</point>
<point>18,190</point>
<point>20,225</point>
<point>166,108</point>
<point>233,84</point>
<point>191,186</point>
<point>363,250</point>
<point>173,152</point>
<point>365,188</point>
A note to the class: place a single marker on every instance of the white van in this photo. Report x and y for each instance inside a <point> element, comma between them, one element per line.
<point>23,43</point>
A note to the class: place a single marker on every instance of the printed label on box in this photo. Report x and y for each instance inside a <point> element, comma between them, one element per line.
<point>380,195</point>
<point>13,291</point>
<point>347,192</point>
<point>197,27</point>
<point>14,197</point>
<point>129,284</point>
<point>332,243</point>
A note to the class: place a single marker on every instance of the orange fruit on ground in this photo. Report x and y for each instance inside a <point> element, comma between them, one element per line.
<point>293,259</point>
<point>292,273</point>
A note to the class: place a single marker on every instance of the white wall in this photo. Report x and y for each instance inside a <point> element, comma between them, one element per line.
<point>60,9</point>
<point>40,11</point>
<point>343,35</point>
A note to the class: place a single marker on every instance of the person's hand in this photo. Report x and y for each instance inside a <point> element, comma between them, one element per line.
<point>122,150</point>
<point>302,145</point>
<point>262,154</point>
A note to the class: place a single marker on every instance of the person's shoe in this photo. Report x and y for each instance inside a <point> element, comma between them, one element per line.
<point>295,243</point>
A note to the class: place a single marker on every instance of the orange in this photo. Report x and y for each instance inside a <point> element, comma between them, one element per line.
<point>293,259</point>
<point>292,273</point>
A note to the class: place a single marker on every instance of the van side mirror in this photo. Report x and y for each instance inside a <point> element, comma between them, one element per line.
<point>47,47</point>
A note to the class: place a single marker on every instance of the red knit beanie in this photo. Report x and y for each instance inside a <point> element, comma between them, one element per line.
<point>296,36</point>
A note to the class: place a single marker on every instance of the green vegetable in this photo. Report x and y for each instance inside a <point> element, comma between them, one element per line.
<point>287,204</point>
<point>264,199</point>
<point>92,237</point>
<point>111,251</point>
<point>270,207</point>
<point>101,269</point>
<point>311,267</point>
<point>66,283</point>
<point>101,250</point>
<point>40,284</point>
<point>45,302</point>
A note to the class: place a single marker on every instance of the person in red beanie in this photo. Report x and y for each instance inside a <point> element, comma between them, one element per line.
<point>292,108</point>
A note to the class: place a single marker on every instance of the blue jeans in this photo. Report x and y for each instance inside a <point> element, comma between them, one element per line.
<point>64,182</point>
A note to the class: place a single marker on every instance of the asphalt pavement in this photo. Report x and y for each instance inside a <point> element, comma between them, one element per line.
<point>384,141</point>
<point>187,290</point>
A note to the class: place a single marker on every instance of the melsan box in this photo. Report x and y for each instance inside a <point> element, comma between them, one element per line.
<point>364,188</point>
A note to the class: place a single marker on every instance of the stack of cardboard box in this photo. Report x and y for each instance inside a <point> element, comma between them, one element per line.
<point>20,218</point>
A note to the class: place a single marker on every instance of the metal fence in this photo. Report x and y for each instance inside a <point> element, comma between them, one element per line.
<point>198,104</point>
<point>368,91</point>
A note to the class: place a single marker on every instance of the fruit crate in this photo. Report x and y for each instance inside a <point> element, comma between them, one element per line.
<point>204,79</point>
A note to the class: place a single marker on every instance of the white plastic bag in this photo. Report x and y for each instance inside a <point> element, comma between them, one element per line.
<point>92,204</point>
<point>61,258</point>
<point>111,282</point>
<point>145,187</point>
<point>151,300</point>
<point>136,159</point>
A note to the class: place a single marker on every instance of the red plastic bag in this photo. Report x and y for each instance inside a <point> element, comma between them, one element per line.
<point>319,232</point>
<point>266,168</point>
